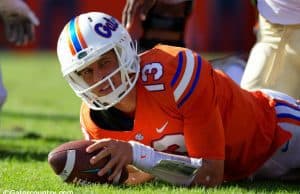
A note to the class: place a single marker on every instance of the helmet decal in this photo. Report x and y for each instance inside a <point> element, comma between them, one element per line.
<point>76,40</point>
<point>105,29</point>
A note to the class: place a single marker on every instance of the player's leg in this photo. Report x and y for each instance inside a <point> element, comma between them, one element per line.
<point>2,91</point>
<point>285,163</point>
<point>286,75</point>
<point>274,60</point>
<point>261,58</point>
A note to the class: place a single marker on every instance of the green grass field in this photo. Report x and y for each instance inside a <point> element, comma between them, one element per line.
<point>42,112</point>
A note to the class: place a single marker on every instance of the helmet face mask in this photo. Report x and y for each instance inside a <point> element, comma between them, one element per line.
<point>94,35</point>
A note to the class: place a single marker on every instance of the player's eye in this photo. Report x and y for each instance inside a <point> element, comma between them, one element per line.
<point>85,72</point>
<point>104,63</point>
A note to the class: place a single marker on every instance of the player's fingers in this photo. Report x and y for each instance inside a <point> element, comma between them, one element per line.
<point>124,13</point>
<point>131,11</point>
<point>117,171</point>
<point>146,8</point>
<point>97,145</point>
<point>20,37</point>
<point>102,154</point>
<point>112,162</point>
<point>8,30</point>
<point>25,38</point>
<point>29,32</point>
<point>15,33</point>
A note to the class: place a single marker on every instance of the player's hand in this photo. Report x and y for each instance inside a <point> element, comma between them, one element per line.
<point>133,7</point>
<point>19,21</point>
<point>120,152</point>
<point>210,174</point>
<point>137,176</point>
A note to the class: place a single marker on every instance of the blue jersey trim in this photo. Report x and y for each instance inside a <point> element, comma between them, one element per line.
<point>185,98</point>
<point>288,105</point>
<point>178,70</point>
<point>287,115</point>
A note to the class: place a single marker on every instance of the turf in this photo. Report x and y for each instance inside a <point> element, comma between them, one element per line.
<point>42,112</point>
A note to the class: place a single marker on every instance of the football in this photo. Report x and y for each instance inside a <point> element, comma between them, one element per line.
<point>71,162</point>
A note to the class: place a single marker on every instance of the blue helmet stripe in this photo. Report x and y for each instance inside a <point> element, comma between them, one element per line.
<point>73,36</point>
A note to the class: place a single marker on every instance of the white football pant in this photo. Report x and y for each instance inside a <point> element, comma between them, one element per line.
<point>285,163</point>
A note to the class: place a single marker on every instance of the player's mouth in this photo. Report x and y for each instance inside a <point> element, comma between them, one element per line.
<point>106,87</point>
<point>104,90</point>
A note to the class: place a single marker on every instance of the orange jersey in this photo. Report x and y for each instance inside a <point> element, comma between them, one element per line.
<point>184,106</point>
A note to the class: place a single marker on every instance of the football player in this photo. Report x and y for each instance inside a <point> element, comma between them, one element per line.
<point>169,113</point>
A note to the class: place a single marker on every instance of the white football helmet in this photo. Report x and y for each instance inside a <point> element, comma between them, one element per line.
<point>83,41</point>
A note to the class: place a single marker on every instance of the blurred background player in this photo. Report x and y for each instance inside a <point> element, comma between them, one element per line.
<point>164,21</point>
<point>19,25</point>
<point>274,61</point>
<point>157,21</point>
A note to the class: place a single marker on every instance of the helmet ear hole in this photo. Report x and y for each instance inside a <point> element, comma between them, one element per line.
<point>82,41</point>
